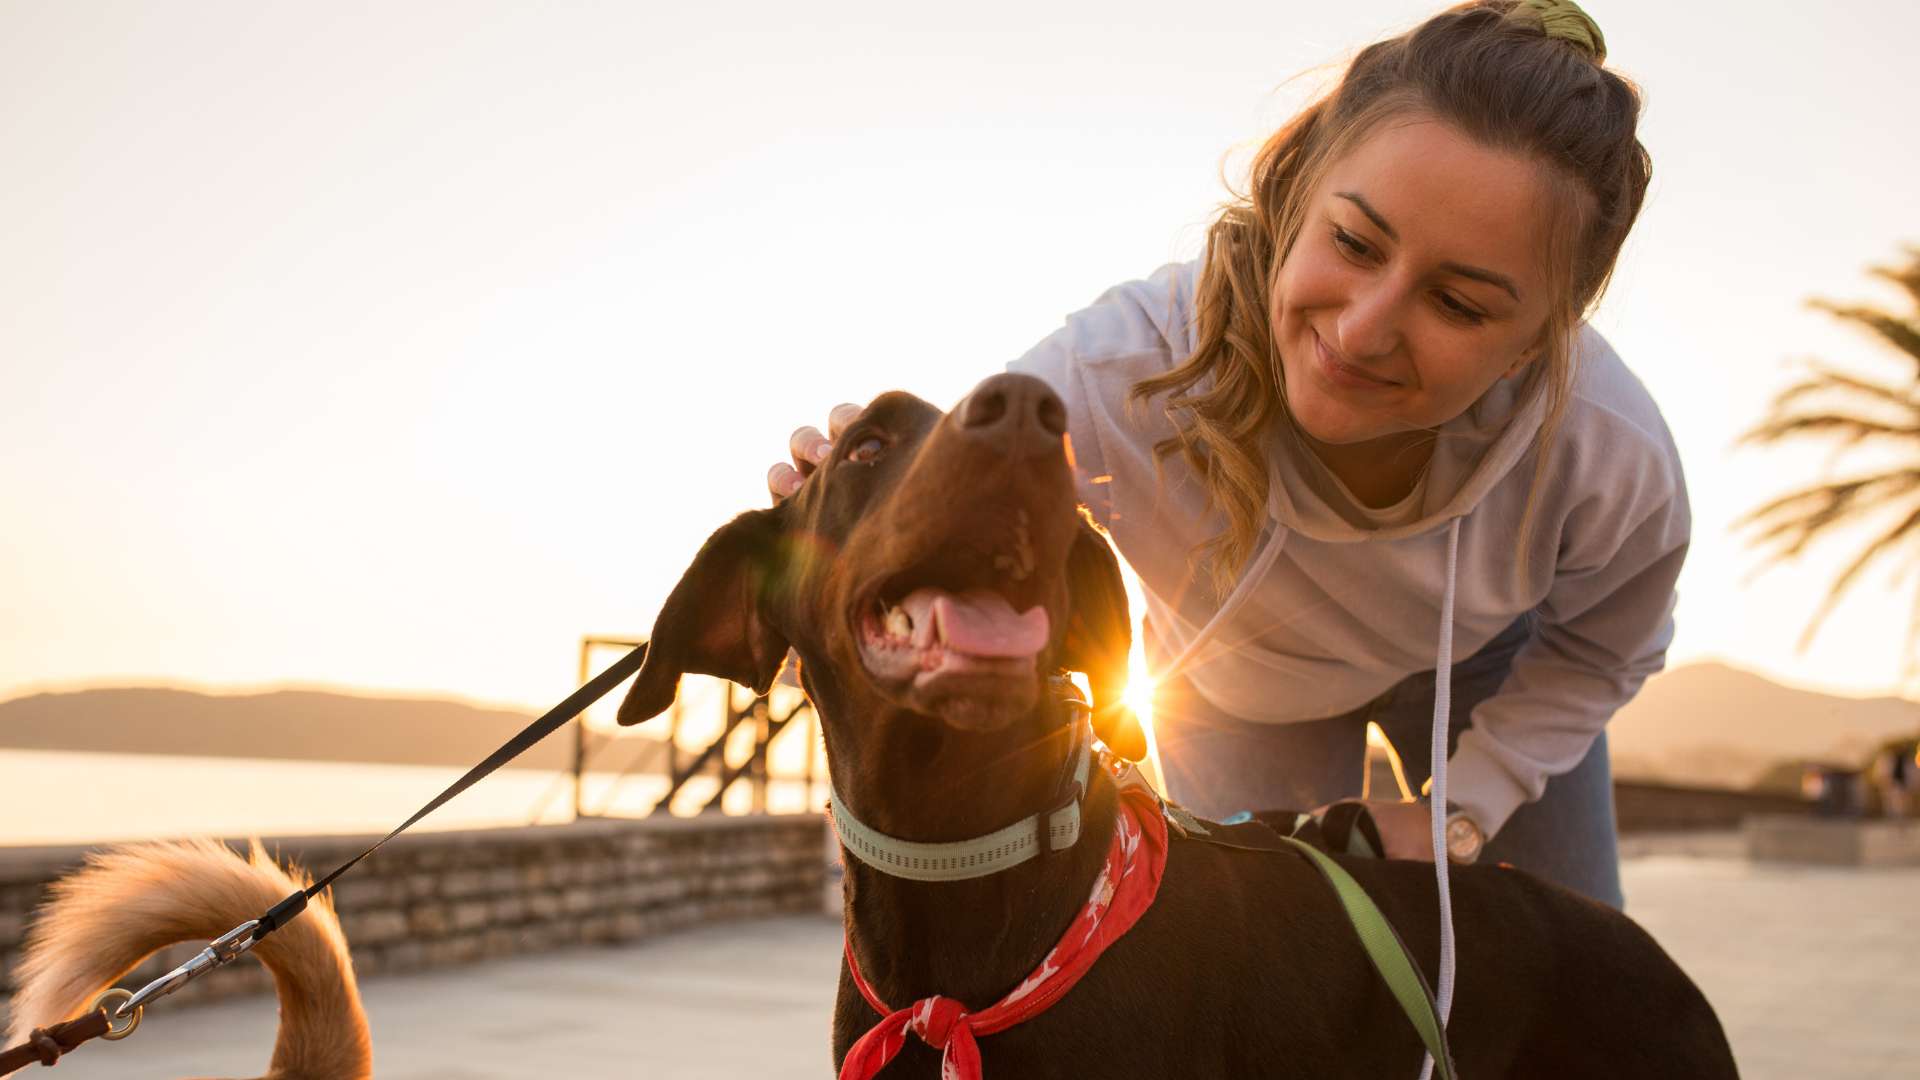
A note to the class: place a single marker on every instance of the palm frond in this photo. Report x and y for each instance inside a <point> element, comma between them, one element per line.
<point>1826,380</point>
<point>1902,334</point>
<point>1905,530</point>
<point>1849,430</point>
<point>1790,522</point>
<point>1907,277</point>
<point>1850,410</point>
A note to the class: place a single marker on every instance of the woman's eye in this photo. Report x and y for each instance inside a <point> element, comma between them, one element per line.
<point>1350,243</point>
<point>867,450</point>
<point>1461,311</point>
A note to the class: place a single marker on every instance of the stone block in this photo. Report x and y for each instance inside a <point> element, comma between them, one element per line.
<point>629,925</point>
<point>454,951</point>
<point>13,926</point>
<point>428,920</point>
<point>541,937</point>
<point>500,941</point>
<point>460,884</point>
<point>544,906</point>
<point>470,915</point>
<point>1833,841</point>
<point>509,908</point>
<point>374,927</point>
<point>355,892</point>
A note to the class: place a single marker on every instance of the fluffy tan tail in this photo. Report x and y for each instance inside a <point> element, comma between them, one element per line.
<point>129,902</point>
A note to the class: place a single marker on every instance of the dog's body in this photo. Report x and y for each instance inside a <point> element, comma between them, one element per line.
<point>1245,965</point>
<point>130,902</point>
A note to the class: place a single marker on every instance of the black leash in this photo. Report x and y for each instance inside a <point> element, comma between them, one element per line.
<point>114,1014</point>
<point>284,912</point>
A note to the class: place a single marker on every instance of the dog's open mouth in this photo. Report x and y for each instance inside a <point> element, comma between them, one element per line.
<point>965,650</point>
<point>932,633</point>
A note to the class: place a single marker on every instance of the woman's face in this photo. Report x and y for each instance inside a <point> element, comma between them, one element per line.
<point>1416,282</point>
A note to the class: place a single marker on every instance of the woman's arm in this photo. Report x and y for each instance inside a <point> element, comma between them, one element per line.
<point>1604,628</point>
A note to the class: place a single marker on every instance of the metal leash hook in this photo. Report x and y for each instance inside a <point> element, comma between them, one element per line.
<point>115,1011</point>
<point>222,951</point>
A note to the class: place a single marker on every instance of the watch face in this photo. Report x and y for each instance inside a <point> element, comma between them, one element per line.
<point>1463,838</point>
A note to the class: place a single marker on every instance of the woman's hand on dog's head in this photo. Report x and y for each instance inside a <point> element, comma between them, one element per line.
<point>808,449</point>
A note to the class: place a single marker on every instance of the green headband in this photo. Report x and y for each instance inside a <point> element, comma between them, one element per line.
<point>1564,20</point>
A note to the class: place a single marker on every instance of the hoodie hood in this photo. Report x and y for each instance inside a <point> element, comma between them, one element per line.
<point>1472,454</point>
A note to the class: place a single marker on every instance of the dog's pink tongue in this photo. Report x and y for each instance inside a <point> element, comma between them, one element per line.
<point>979,622</point>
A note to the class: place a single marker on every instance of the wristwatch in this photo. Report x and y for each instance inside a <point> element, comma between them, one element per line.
<point>1465,838</point>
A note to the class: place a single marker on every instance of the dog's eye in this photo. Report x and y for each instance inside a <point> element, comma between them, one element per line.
<point>868,450</point>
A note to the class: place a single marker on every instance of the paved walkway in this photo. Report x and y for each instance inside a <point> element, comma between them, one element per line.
<point>1815,972</point>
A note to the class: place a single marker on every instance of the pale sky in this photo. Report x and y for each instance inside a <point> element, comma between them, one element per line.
<point>397,346</point>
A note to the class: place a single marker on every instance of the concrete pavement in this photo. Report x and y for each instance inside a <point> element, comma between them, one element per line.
<point>1815,972</point>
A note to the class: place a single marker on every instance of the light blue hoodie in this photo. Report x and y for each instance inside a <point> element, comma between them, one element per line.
<point>1333,610</point>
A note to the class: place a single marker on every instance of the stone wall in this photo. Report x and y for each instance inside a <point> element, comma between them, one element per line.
<point>438,899</point>
<point>1645,807</point>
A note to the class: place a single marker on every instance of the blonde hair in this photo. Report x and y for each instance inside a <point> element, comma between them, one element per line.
<point>1505,77</point>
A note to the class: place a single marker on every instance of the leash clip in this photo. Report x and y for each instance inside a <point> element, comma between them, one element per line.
<point>220,952</point>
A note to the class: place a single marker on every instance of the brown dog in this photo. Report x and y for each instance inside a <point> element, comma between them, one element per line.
<point>130,902</point>
<point>931,576</point>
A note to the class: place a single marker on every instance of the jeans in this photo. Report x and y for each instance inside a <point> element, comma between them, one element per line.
<point>1217,764</point>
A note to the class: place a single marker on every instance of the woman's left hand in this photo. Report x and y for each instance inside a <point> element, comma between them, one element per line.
<point>1406,828</point>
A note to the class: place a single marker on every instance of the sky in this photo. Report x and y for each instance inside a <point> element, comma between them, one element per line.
<point>398,346</point>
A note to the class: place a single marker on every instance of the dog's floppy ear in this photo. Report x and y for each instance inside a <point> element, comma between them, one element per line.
<point>714,622</point>
<point>1099,637</point>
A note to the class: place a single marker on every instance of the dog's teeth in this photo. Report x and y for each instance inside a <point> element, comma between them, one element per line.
<point>899,623</point>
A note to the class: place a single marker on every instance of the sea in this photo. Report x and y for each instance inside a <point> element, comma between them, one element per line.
<point>82,797</point>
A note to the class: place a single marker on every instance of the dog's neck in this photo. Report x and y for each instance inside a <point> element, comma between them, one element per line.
<point>915,778</point>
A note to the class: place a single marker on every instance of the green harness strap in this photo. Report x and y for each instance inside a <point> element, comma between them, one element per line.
<point>1389,956</point>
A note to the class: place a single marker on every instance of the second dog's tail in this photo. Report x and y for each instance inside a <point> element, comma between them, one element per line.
<point>129,902</point>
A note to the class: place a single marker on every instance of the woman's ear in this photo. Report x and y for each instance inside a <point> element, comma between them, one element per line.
<point>715,622</point>
<point>1530,355</point>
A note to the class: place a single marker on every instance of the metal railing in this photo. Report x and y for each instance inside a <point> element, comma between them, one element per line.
<point>661,754</point>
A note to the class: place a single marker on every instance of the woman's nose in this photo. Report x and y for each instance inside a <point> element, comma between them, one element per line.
<point>1369,324</point>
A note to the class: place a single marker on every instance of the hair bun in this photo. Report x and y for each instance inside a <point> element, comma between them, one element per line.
<point>1564,20</point>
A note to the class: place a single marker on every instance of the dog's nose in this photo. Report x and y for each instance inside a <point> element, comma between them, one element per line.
<point>1014,407</point>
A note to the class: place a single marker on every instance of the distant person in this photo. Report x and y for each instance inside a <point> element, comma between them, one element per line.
<point>1369,431</point>
<point>1899,774</point>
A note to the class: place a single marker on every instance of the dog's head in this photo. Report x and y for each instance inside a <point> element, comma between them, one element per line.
<point>937,565</point>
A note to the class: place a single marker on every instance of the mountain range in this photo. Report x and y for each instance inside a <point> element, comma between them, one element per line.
<point>1705,724</point>
<point>1715,725</point>
<point>305,725</point>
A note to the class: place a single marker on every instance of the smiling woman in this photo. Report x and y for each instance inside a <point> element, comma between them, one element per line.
<point>1367,432</point>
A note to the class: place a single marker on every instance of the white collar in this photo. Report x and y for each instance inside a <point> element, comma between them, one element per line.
<point>982,855</point>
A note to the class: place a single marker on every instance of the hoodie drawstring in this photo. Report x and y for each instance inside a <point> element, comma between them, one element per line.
<point>1442,719</point>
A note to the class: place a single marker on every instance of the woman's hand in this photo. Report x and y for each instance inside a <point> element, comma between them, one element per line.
<point>809,448</point>
<point>1406,828</point>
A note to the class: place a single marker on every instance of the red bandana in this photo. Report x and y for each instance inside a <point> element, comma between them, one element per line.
<point>1123,891</point>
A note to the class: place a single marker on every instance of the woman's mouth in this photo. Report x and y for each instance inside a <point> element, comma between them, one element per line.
<point>1343,374</point>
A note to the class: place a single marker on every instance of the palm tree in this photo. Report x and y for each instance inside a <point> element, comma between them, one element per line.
<point>1853,412</point>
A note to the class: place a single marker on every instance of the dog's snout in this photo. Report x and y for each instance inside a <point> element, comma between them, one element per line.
<point>1013,407</point>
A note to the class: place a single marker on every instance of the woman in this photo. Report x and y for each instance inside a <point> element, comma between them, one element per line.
<point>1368,431</point>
